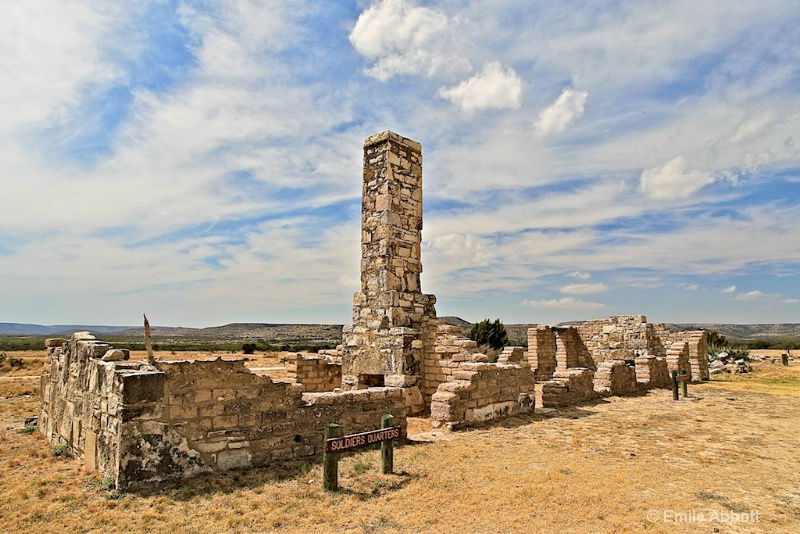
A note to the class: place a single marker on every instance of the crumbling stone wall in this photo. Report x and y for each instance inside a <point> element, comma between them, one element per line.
<point>570,349</point>
<point>622,337</point>
<point>651,372</point>
<point>615,377</point>
<point>678,358</point>
<point>316,374</point>
<point>332,355</point>
<point>698,351</point>
<point>481,392</point>
<point>144,424</point>
<point>81,399</point>
<point>511,355</point>
<point>392,319</point>
<point>449,350</point>
<point>542,352</point>
<point>697,341</point>
<point>569,387</point>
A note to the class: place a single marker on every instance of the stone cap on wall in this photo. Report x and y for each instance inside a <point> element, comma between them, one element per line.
<point>391,136</point>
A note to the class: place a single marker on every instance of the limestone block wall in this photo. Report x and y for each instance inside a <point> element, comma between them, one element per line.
<point>81,400</point>
<point>332,355</point>
<point>622,337</point>
<point>571,351</point>
<point>450,349</point>
<point>651,372</point>
<point>316,374</point>
<point>615,377</point>
<point>512,355</point>
<point>144,424</point>
<point>572,386</point>
<point>542,352</point>
<point>481,392</point>
<point>697,340</point>
<point>678,358</point>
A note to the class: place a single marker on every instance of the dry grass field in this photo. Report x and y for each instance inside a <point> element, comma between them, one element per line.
<point>624,464</point>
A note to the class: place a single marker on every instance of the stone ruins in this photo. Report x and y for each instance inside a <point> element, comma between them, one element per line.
<point>143,424</point>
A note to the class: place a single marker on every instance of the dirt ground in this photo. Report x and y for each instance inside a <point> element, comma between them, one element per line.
<point>724,460</point>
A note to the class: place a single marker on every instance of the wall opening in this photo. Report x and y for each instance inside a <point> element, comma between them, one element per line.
<point>371,381</point>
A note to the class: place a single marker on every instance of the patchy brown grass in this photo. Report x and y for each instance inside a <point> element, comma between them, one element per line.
<point>595,468</point>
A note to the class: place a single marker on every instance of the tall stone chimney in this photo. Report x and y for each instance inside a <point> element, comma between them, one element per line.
<point>392,319</point>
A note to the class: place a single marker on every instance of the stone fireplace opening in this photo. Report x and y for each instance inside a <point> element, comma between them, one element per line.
<point>371,381</point>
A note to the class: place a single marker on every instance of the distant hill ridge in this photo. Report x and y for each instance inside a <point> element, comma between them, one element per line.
<point>332,333</point>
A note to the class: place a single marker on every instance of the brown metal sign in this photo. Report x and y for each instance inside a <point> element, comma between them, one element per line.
<point>353,441</point>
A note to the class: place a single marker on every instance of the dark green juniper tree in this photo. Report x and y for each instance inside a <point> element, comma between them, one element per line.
<point>489,333</point>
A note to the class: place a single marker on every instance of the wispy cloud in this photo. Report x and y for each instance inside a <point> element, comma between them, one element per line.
<point>751,295</point>
<point>569,303</point>
<point>203,160</point>
<point>673,180</point>
<point>557,116</point>
<point>583,289</point>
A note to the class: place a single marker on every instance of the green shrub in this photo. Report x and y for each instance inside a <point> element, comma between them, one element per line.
<point>489,333</point>
<point>249,348</point>
<point>107,483</point>
<point>61,451</point>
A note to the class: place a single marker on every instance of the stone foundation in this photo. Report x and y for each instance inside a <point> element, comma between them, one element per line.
<point>145,424</point>
<point>481,392</point>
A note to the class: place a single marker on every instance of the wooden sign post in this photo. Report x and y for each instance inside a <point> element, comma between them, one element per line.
<point>335,444</point>
<point>684,379</point>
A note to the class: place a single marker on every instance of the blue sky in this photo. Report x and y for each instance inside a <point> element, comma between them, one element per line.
<point>201,161</point>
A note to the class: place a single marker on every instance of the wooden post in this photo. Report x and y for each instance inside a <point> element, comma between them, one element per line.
<point>685,386</point>
<point>387,448</point>
<point>147,345</point>
<point>330,461</point>
<point>785,359</point>
<point>674,385</point>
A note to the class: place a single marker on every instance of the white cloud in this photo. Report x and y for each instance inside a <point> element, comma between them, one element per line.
<point>673,180</point>
<point>52,52</point>
<point>690,287</point>
<point>566,302</point>
<point>729,289</point>
<point>583,289</point>
<point>494,87</point>
<point>580,275</point>
<point>750,295</point>
<point>462,250</point>
<point>557,116</point>
<point>403,38</point>
<point>791,301</point>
